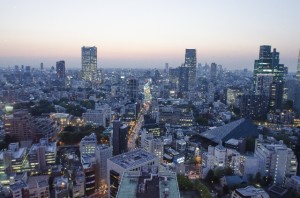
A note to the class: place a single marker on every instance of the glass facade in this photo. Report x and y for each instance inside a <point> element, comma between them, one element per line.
<point>89,63</point>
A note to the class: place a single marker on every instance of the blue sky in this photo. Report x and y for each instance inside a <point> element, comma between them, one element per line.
<point>144,33</point>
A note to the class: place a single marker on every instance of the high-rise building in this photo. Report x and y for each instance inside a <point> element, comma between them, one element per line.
<point>266,70</point>
<point>103,152</point>
<point>276,93</point>
<point>60,70</point>
<point>89,63</point>
<point>191,63</point>
<point>269,76</point>
<point>18,125</point>
<point>183,80</point>
<point>254,106</point>
<point>213,72</point>
<point>119,137</point>
<point>275,159</point>
<point>298,68</point>
<point>132,89</point>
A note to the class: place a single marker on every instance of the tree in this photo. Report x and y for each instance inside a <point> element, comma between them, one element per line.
<point>184,183</point>
<point>225,189</point>
<point>228,171</point>
<point>210,176</point>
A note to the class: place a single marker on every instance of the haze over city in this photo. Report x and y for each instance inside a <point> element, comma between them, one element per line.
<point>147,33</point>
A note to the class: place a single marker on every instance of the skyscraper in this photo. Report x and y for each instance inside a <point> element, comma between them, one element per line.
<point>213,72</point>
<point>60,70</point>
<point>119,137</point>
<point>191,62</point>
<point>132,89</point>
<point>298,68</point>
<point>89,63</point>
<point>267,69</point>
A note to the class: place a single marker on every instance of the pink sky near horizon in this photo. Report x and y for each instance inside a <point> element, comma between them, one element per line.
<point>141,33</point>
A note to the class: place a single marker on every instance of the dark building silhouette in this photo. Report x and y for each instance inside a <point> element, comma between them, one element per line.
<point>268,76</point>
<point>213,72</point>
<point>276,93</point>
<point>132,89</point>
<point>191,63</point>
<point>183,80</point>
<point>254,106</point>
<point>60,70</point>
<point>120,132</point>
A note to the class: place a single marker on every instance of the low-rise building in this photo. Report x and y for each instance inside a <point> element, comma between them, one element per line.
<point>148,182</point>
<point>249,192</point>
<point>130,161</point>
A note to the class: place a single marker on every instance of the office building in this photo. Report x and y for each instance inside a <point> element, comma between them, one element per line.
<point>275,159</point>
<point>155,146</point>
<point>60,70</point>
<point>19,189</point>
<point>94,117</point>
<point>88,145</point>
<point>119,139</point>
<point>130,161</point>
<point>267,70</point>
<point>42,156</point>
<point>18,125</point>
<point>89,63</point>
<point>13,160</point>
<point>38,186</point>
<point>191,63</point>
<point>254,106</point>
<point>173,81</point>
<point>213,72</point>
<point>183,80</point>
<point>298,68</point>
<point>132,89</point>
<point>148,182</point>
<point>276,93</point>
<point>103,152</point>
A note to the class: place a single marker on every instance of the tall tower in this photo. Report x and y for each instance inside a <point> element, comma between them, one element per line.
<point>89,63</point>
<point>132,89</point>
<point>267,69</point>
<point>213,72</point>
<point>191,62</point>
<point>119,139</point>
<point>269,76</point>
<point>298,68</point>
<point>60,69</point>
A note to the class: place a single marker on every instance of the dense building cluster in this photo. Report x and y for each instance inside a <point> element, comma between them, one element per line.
<point>146,132</point>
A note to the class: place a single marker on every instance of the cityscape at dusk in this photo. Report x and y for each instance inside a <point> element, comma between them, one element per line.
<point>147,33</point>
<point>149,99</point>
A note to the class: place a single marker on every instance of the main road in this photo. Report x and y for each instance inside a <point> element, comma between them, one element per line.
<point>134,133</point>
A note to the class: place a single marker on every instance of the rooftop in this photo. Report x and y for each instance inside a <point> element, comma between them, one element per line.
<point>150,184</point>
<point>250,191</point>
<point>38,181</point>
<point>132,158</point>
<point>236,129</point>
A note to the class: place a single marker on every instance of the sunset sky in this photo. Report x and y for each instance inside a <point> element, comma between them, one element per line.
<point>147,33</point>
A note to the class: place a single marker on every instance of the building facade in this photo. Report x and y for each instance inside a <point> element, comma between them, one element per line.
<point>89,63</point>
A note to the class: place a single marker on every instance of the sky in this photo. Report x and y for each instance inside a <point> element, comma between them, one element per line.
<point>147,33</point>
